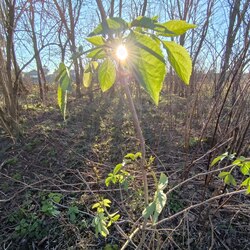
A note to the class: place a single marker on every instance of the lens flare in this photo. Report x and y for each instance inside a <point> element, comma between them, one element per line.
<point>121,52</point>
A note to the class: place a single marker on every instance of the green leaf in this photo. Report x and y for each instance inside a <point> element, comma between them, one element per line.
<point>229,179</point>
<point>245,168</point>
<point>218,158</point>
<point>115,218</point>
<point>246,182</point>
<point>150,23</point>
<point>99,222</point>
<point>94,65</point>
<point>87,76</point>
<point>97,53</point>
<point>223,174</point>
<point>64,85</point>
<point>56,197</point>
<point>130,156</point>
<point>163,182</point>
<point>144,22</point>
<point>177,27</point>
<point>115,24</point>
<point>106,74</point>
<point>96,205</point>
<point>106,202</point>
<point>180,60</point>
<point>96,40</point>
<point>160,202</point>
<point>149,210</point>
<point>138,155</point>
<point>160,199</point>
<point>248,190</point>
<point>64,77</point>
<point>117,168</point>
<point>108,180</point>
<point>148,64</point>
<point>62,100</point>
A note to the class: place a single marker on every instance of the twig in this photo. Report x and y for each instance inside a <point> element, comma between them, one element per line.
<point>196,176</point>
<point>212,233</point>
<point>199,204</point>
<point>130,238</point>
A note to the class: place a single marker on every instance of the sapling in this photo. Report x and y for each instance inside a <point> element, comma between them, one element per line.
<point>133,53</point>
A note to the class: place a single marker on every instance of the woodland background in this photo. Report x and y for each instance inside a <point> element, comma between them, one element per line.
<point>41,154</point>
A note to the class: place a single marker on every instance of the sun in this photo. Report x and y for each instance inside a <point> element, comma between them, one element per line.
<point>121,52</point>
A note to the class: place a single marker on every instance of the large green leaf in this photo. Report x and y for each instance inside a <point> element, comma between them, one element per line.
<point>218,158</point>
<point>106,74</point>
<point>62,100</point>
<point>150,23</point>
<point>163,182</point>
<point>96,40</point>
<point>87,76</point>
<point>97,53</point>
<point>177,27</point>
<point>180,60</point>
<point>63,77</point>
<point>64,85</point>
<point>115,24</point>
<point>155,208</point>
<point>148,64</point>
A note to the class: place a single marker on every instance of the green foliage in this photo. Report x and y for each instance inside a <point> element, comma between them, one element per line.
<point>177,28</point>
<point>106,74</point>
<point>30,227</point>
<point>64,85</point>
<point>227,178</point>
<point>246,183</point>
<point>11,161</point>
<point>101,205</point>
<point>48,205</point>
<point>218,159</point>
<point>112,25</point>
<point>155,208</point>
<point>147,63</point>
<point>103,219</point>
<point>100,224</point>
<point>73,211</point>
<point>241,162</point>
<point>88,73</point>
<point>96,40</point>
<point>111,247</point>
<point>27,223</point>
<point>180,60</point>
<point>132,156</point>
<point>145,59</point>
<point>119,175</point>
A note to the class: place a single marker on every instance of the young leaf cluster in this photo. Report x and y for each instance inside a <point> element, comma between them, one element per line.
<point>103,219</point>
<point>118,175</point>
<point>48,205</point>
<point>241,162</point>
<point>144,39</point>
<point>146,60</point>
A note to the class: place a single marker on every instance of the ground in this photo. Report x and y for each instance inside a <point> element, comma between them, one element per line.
<point>55,171</point>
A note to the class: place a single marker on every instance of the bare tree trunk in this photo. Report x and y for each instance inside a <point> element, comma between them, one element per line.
<point>74,14</point>
<point>8,115</point>
<point>144,7</point>
<point>120,8</point>
<point>235,20</point>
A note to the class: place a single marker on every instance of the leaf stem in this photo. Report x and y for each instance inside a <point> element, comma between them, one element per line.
<point>140,137</point>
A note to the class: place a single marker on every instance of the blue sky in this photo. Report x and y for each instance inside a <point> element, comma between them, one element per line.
<point>88,20</point>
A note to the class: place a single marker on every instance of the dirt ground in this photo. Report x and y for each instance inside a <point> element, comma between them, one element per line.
<point>70,160</point>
